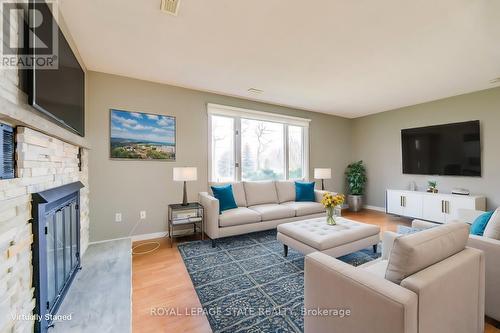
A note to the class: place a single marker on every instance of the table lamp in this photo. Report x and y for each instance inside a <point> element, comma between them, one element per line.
<point>185,174</point>
<point>322,173</point>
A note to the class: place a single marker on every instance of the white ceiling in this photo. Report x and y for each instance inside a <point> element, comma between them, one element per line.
<point>343,57</point>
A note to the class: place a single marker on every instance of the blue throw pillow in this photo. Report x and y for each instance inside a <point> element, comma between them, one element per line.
<point>480,223</point>
<point>304,191</point>
<point>225,196</point>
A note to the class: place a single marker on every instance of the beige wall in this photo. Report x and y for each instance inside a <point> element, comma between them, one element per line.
<point>131,186</point>
<point>377,141</point>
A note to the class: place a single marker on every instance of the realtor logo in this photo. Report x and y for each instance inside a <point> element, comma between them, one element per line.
<point>29,35</point>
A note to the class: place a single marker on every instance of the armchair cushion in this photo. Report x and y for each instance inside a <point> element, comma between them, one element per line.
<point>493,228</point>
<point>376,267</point>
<point>412,253</point>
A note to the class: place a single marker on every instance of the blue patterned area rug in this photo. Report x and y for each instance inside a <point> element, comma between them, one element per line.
<point>245,284</point>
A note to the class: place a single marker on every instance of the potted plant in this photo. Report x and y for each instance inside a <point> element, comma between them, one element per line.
<point>432,186</point>
<point>356,180</point>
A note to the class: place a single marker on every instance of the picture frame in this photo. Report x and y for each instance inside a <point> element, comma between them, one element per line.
<point>142,136</point>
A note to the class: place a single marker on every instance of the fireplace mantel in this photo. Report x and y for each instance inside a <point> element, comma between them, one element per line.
<point>24,115</point>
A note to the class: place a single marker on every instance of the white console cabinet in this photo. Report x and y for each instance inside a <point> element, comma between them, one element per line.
<point>435,207</point>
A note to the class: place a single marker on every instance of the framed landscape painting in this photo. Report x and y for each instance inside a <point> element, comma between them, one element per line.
<point>141,136</point>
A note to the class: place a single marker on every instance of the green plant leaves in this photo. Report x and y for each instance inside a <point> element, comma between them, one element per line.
<point>356,178</point>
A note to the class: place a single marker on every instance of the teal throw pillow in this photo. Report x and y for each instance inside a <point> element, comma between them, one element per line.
<point>225,196</point>
<point>480,223</point>
<point>304,191</point>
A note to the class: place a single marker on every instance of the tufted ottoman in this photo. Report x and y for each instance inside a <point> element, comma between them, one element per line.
<point>315,235</point>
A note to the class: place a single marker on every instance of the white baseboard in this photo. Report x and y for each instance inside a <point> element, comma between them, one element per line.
<point>108,240</point>
<point>379,209</point>
<point>142,237</point>
<point>161,234</point>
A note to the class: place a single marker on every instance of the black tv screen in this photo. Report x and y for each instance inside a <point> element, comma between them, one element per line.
<point>448,150</point>
<point>58,93</point>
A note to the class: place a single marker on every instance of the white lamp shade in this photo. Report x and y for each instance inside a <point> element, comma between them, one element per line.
<point>185,174</point>
<point>322,173</point>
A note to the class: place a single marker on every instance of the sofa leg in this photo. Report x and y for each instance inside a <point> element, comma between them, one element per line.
<point>375,248</point>
<point>213,242</point>
<point>285,250</point>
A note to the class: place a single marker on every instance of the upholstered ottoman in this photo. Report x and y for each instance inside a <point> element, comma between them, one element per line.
<point>312,235</point>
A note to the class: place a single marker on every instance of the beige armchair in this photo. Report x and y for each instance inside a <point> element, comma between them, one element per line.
<point>491,249</point>
<point>440,289</point>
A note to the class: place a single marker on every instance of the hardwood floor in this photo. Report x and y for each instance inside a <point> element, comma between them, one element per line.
<point>162,290</point>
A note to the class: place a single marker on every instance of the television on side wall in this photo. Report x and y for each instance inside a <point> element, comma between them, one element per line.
<point>446,150</point>
<point>58,93</point>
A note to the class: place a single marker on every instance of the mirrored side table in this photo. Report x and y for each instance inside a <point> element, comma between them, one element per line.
<point>179,215</point>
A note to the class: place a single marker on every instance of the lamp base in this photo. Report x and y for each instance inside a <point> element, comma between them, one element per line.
<point>184,196</point>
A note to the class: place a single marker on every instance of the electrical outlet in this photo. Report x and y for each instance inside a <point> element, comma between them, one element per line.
<point>118,217</point>
<point>143,214</point>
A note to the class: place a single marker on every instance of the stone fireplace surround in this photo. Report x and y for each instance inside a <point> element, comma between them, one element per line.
<point>43,162</point>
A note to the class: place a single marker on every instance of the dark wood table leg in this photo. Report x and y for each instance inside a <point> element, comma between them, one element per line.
<point>285,250</point>
<point>375,248</point>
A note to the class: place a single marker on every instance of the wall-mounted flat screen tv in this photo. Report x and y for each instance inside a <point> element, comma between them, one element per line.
<point>58,93</point>
<point>447,150</point>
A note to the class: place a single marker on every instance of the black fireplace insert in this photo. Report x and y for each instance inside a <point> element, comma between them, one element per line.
<point>56,248</point>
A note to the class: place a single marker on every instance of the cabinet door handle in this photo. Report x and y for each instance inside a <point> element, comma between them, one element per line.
<point>447,207</point>
<point>404,201</point>
<point>442,206</point>
<point>401,201</point>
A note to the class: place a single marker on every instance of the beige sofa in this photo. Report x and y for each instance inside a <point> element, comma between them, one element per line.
<point>261,206</point>
<point>430,283</point>
<point>491,249</point>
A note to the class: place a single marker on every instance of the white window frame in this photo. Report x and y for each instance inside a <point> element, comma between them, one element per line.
<point>237,114</point>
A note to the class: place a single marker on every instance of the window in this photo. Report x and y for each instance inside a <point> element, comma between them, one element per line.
<point>252,145</point>
<point>223,148</point>
<point>263,151</point>
<point>295,152</point>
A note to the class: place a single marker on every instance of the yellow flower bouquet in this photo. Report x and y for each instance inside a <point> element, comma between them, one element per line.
<point>330,201</point>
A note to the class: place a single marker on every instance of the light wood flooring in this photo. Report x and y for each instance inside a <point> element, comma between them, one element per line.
<point>162,286</point>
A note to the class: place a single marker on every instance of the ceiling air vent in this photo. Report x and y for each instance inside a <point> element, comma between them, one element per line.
<point>170,6</point>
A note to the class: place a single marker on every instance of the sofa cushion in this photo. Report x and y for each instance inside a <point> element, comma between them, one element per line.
<point>273,211</point>
<point>238,216</point>
<point>286,190</point>
<point>305,208</point>
<point>225,196</point>
<point>415,252</point>
<point>304,191</point>
<point>238,192</point>
<point>258,193</point>
<point>493,228</point>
